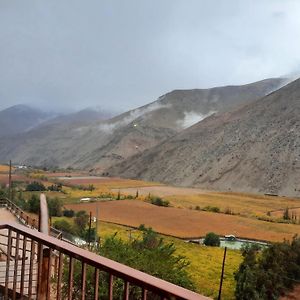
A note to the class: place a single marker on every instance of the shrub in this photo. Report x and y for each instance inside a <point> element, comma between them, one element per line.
<point>64,225</point>
<point>212,209</point>
<point>55,187</point>
<point>212,239</point>
<point>69,213</point>
<point>159,201</point>
<point>35,186</point>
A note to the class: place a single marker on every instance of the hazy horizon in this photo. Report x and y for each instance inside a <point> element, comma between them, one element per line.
<point>69,55</point>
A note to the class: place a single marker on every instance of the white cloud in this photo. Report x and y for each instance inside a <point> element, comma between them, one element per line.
<point>191,118</point>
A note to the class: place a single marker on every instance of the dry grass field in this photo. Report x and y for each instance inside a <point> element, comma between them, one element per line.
<point>107,182</point>
<point>243,204</point>
<point>4,169</point>
<point>186,223</point>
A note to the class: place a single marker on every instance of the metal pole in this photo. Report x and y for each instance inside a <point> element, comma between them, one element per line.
<point>222,274</point>
<point>9,183</point>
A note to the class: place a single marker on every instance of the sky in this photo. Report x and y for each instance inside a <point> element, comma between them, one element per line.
<point>63,55</point>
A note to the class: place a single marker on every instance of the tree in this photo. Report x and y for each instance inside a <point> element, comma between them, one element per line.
<point>286,214</point>
<point>35,186</point>
<point>34,204</point>
<point>212,239</point>
<point>268,273</point>
<point>69,213</point>
<point>91,187</point>
<point>55,206</point>
<point>149,254</point>
<point>64,225</point>
<point>81,221</point>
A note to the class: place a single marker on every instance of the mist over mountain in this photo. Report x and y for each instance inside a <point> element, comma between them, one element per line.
<point>87,140</point>
<point>21,118</point>
<point>255,148</point>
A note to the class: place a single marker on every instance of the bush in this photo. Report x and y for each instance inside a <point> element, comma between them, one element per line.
<point>159,201</point>
<point>69,213</point>
<point>64,225</point>
<point>212,209</point>
<point>212,239</point>
<point>55,187</point>
<point>35,186</point>
<point>33,204</point>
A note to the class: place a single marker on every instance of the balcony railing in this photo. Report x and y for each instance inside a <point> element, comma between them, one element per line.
<point>34,265</point>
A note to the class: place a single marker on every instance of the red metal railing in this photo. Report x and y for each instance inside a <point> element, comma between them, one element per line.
<point>27,219</point>
<point>37,266</point>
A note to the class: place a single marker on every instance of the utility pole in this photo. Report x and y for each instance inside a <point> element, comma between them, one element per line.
<point>222,274</point>
<point>9,183</point>
<point>97,224</point>
<point>90,229</point>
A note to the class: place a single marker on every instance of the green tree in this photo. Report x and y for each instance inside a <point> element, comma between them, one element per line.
<point>286,214</point>
<point>55,206</point>
<point>81,221</point>
<point>64,225</point>
<point>268,274</point>
<point>149,254</point>
<point>35,186</point>
<point>33,204</point>
<point>212,239</point>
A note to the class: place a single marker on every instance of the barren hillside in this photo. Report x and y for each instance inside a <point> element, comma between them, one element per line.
<point>255,148</point>
<point>100,144</point>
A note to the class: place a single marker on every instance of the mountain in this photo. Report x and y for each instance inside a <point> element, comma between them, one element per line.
<point>21,118</point>
<point>82,117</point>
<point>255,148</point>
<point>100,144</point>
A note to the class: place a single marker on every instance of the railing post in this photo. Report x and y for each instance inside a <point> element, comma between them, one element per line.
<point>45,275</point>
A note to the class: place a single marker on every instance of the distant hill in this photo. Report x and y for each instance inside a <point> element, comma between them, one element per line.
<point>82,117</point>
<point>21,118</point>
<point>255,148</point>
<point>100,144</point>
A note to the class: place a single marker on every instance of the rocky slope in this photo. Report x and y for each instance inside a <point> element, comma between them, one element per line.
<point>255,148</point>
<point>100,144</point>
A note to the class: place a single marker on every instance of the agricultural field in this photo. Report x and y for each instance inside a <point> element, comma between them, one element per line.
<point>14,177</point>
<point>4,168</point>
<point>249,205</point>
<point>205,262</point>
<point>185,223</point>
<point>91,186</point>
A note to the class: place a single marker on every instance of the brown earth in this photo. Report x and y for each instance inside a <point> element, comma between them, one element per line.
<point>15,177</point>
<point>293,295</point>
<point>184,222</point>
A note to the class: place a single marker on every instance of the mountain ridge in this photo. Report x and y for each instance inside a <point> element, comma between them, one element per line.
<point>254,148</point>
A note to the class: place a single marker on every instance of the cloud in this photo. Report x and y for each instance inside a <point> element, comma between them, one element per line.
<point>109,127</point>
<point>119,55</point>
<point>191,118</point>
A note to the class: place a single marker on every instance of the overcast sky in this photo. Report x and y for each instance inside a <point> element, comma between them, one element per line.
<point>71,54</point>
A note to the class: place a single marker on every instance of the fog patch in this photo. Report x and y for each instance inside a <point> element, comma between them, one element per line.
<point>191,118</point>
<point>109,127</point>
